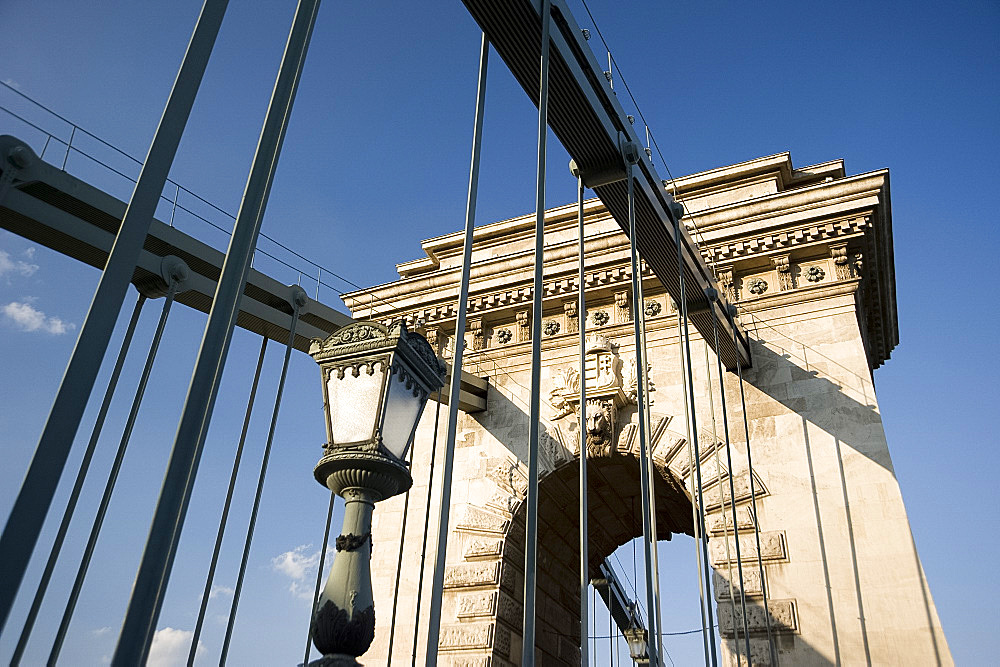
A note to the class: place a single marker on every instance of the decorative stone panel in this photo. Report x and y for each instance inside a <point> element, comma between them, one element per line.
<point>727,284</point>
<point>473,605</point>
<point>623,313</point>
<point>570,309</point>
<point>466,636</point>
<point>483,548</point>
<point>722,522</point>
<point>715,497</point>
<point>841,261</point>
<point>772,547</point>
<point>523,326</point>
<point>782,614</point>
<point>784,269</point>
<point>751,583</point>
<point>479,520</point>
<point>465,575</point>
<point>475,325</point>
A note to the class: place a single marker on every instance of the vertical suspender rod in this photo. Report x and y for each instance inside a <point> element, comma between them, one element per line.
<point>686,342</point>
<point>24,524</point>
<point>427,521</point>
<point>732,500</point>
<point>299,299</point>
<point>319,574</point>
<point>444,508</point>
<point>399,570</point>
<point>581,317</point>
<point>534,411</point>
<point>756,517</point>
<point>224,519</point>
<point>722,500</point>
<point>81,477</point>
<point>150,585</point>
<point>640,365</point>
<point>656,630</point>
<point>694,502</point>
<point>109,487</point>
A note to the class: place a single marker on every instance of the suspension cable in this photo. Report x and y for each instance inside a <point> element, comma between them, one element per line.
<point>444,507</point>
<point>399,569</point>
<point>534,411</point>
<point>207,593</point>
<point>722,498</point>
<point>81,476</point>
<point>95,530</point>
<point>641,397</point>
<point>319,574</point>
<point>260,481</point>
<point>581,318</point>
<point>756,516</point>
<point>732,504</point>
<point>686,343</point>
<point>427,520</point>
<point>648,462</point>
<point>694,498</point>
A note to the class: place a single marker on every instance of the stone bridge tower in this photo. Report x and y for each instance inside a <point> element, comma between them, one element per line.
<point>806,254</point>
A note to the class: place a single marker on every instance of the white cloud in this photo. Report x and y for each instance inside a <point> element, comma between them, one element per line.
<point>220,590</point>
<point>22,268</point>
<point>170,647</point>
<point>100,632</point>
<point>13,84</point>
<point>300,566</point>
<point>28,318</point>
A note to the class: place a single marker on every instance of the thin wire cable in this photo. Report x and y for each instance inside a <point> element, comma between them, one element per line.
<point>260,483</point>
<point>641,403</point>
<point>137,161</point>
<point>756,517</point>
<point>694,499</point>
<point>722,497</point>
<point>427,520</point>
<point>81,477</point>
<point>224,520</point>
<point>399,567</point>
<point>732,497</point>
<point>109,487</point>
<point>319,574</point>
<point>613,64</point>
<point>686,342</point>
<point>654,536</point>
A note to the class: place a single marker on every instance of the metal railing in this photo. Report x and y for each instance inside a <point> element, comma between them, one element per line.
<point>307,271</point>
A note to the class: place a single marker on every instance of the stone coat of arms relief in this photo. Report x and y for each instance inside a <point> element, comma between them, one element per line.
<point>611,383</point>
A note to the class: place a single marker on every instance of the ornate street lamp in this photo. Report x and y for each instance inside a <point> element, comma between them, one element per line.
<point>376,381</point>
<point>637,644</point>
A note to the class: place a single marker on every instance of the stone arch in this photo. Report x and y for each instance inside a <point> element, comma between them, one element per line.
<point>487,587</point>
<point>483,593</point>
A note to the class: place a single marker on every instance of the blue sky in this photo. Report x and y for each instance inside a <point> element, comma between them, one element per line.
<point>376,159</point>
